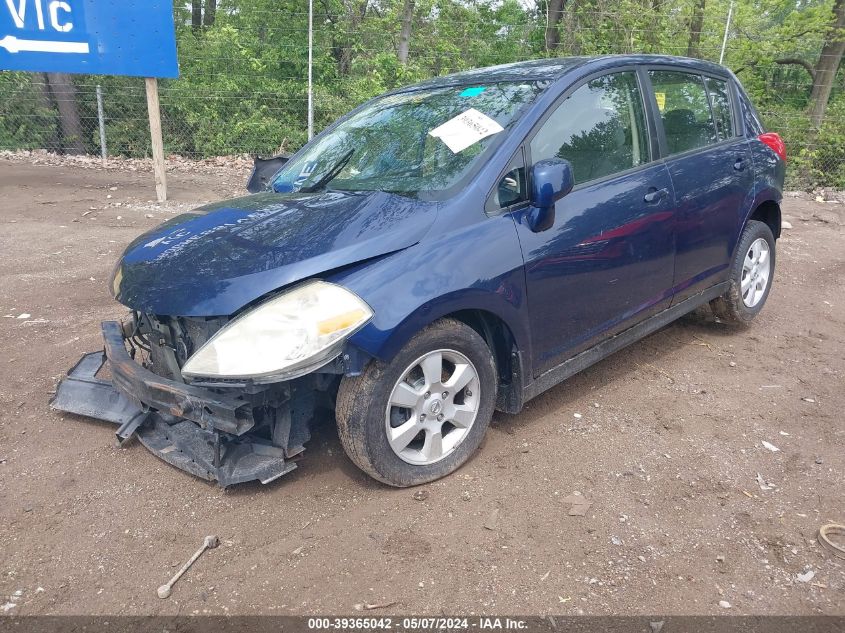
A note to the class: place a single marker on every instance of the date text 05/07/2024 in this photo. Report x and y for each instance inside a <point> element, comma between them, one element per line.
<point>418,623</point>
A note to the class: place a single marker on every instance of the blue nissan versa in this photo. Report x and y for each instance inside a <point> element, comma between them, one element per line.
<point>447,249</point>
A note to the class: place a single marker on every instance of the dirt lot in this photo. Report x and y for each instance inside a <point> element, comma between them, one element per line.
<point>665,438</point>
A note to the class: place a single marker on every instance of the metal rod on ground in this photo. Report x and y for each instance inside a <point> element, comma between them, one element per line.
<point>210,542</point>
<point>154,111</point>
<point>310,69</point>
<point>727,27</point>
<point>101,118</point>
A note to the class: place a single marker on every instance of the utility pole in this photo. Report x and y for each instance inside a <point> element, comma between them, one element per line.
<point>310,69</point>
<point>727,26</point>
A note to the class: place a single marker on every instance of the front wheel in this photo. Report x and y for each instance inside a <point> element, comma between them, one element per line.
<point>421,416</point>
<point>751,275</point>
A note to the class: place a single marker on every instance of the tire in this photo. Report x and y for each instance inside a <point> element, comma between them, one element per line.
<point>739,305</point>
<point>365,414</point>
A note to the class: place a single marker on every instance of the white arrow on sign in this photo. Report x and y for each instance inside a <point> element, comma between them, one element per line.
<point>15,45</point>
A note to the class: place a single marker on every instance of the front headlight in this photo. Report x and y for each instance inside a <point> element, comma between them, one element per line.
<point>289,335</point>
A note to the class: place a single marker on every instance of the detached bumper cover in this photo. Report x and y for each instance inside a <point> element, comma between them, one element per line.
<point>182,424</point>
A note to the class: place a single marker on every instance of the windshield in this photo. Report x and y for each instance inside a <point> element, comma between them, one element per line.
<point>411,142</point>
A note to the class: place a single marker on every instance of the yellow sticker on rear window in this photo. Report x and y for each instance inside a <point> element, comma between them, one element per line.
<point>661,100</point>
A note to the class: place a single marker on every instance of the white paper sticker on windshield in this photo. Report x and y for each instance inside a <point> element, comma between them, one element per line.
<point>466,129</point>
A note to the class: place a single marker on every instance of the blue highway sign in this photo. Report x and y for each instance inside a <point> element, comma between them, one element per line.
<point>104,37</point>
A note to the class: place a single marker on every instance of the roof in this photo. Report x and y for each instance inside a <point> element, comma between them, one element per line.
<point>555,68</point>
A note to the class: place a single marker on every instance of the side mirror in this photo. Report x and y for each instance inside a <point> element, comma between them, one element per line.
<point>263,170</point>
<point>551,180</point>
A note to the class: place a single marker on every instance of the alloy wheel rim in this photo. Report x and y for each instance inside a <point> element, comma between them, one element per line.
<point>432,407</point>
<point>756,270</point>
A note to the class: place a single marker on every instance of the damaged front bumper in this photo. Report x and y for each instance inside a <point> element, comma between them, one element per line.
<point>208,433</point>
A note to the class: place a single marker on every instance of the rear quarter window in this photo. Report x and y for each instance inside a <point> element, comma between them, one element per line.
<point>721,102</point>
<point>753,126</point>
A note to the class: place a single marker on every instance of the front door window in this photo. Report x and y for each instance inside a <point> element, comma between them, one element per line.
<point>600,128</point>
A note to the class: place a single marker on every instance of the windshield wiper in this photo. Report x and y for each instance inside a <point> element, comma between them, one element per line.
<point>330,175</point>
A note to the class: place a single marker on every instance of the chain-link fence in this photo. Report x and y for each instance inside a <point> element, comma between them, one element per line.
<point>243,87</point>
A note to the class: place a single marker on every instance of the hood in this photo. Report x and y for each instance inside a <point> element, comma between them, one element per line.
<point>217,259</point>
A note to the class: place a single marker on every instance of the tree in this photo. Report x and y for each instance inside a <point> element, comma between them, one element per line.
<point>348,26</point>
<point>210,13</point>
<point>64,94</point>
<point>203,16</point>
<point>653,32</point>
<point>405,33</point>
<point>695,26</point>
<point>45,104</point>
<point>196,15</point>
<point>827,65</point>
<point>553,15</point>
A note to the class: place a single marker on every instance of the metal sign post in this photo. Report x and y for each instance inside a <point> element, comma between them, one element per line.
<point>101,37</point>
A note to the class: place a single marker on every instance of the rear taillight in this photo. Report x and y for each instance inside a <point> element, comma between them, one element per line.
<point>773,140</point>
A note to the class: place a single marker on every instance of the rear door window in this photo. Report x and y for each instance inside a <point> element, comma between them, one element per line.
<point>684,109</point>
<point>721,102</point>
<point>600,128</point>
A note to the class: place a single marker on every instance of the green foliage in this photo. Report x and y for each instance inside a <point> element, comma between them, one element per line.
<point>26,120</point>
<point>243,84</point>
<point>818,158</point>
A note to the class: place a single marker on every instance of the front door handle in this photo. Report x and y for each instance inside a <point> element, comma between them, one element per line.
<point>739,165</point>
<point>655,195</point>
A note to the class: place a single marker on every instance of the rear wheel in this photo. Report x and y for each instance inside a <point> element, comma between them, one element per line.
<point>751,275</point>
<point>421,416</point>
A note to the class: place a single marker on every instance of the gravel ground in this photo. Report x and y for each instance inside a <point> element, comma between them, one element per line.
<point>689,507</point>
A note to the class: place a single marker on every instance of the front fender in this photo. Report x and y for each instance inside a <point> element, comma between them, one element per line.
<point>478,267</point>
<point>482,300</point>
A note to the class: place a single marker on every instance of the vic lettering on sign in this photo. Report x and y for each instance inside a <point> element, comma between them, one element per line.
<point>50,18</point>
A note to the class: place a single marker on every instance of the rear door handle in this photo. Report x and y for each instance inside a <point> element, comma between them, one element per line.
<point>739,165</point>
<point>655,195</point>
